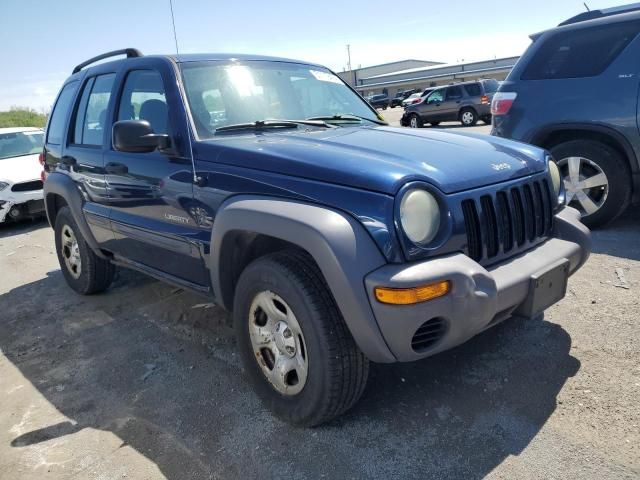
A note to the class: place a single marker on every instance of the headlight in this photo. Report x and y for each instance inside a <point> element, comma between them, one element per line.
<point>3,185</point>
<point>556,178</point>
<point>419,215</point>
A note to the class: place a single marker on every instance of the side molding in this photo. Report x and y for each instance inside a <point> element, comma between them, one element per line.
<point>339,244</point>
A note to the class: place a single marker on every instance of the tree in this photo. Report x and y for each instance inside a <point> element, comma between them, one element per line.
<point>22,117</point>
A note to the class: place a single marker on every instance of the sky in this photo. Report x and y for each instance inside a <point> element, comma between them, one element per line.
<point>43,40</point>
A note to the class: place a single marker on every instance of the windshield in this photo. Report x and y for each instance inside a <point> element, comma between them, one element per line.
<point>20,143</point>
<point>222,94</point>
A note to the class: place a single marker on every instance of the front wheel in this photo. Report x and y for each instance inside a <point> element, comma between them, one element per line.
<point>596,180</point>
<point>295,346</point>
<point>415,121</point>
<point>468,117</point>
<point>83,270</point>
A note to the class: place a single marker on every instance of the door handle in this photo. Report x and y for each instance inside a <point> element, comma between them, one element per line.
<point>116,168</point>
<point>68,161</point>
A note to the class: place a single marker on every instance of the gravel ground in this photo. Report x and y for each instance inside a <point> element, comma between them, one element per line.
<point>144,382</point>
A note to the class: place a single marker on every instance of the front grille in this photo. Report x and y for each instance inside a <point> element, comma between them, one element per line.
<point>27,186</point>
<point>508,220</point>
<point>428,334</point>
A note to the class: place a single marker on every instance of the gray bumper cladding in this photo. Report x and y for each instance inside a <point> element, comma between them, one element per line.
<point>479,297</point>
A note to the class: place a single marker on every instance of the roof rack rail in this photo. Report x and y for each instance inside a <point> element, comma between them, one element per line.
<point>130,52</point>
<point>604,12</point>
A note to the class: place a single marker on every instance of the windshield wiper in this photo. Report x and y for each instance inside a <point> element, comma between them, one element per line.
<point>266,124</point>
<point>348,117</point>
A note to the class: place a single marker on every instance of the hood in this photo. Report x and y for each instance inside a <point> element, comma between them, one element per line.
<point>20,169</point>
<point>381,158</point>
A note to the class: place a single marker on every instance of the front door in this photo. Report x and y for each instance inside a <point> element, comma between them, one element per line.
<point>150,194</point>
<point>431,109</point>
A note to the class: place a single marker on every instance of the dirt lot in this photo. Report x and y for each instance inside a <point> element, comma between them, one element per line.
<point>143,382</point>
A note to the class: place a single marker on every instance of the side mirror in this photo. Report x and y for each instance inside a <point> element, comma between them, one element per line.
<point>136,136</point>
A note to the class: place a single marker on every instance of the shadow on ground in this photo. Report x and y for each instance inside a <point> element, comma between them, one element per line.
<point>620,238</point>
<point>9,229</point>
<point>141,362</point>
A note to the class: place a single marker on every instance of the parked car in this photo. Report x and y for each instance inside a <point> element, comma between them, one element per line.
<point>379,101</point>
<point>397,100</point>
<point>575,92</point>
<point>20,173</point>
<point>334,239</point>
<point>466,102</point>
<point>418,96</point>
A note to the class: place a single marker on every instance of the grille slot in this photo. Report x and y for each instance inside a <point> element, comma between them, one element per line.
<point>508,221</point>
<point>27,186</point>
<point>429,333</point>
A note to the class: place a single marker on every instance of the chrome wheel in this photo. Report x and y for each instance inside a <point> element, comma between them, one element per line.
<point>413,121</point>
<point>467,117</point>
<point>586,185</point>
<point>278,344</point>
<point>71,251</point>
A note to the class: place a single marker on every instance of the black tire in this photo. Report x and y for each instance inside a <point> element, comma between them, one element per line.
<point>469,113</point>
<point>612,164</point>
<point>415,121</point>
<point>434,124</point>
<point>486,119</point>
<point>338,369</point>
<point>94,274</point>
<point>384,107</point>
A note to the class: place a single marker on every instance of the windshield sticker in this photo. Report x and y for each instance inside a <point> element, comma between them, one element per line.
<point>325,76</point>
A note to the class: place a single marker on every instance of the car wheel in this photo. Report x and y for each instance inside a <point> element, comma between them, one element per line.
<point>384,107</point>
<point>596,180</point>
<point>486,119</point>
<point>468,117</point>
<point>296,348</point>
<point>415,121</point>
<point>83,270</point>
<point>434,124</point>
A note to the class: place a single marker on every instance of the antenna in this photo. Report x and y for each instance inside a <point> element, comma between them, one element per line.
<point>586,6</point>
<point>196,179</point>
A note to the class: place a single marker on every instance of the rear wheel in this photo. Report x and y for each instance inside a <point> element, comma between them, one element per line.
<point>83,270</point>
<point>297,351</point>
<point>596,179</point>
<point>415,121</point>
<point>468,117</point>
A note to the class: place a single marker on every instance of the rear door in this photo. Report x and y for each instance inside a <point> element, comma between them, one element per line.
<point>151,194</point>
<point>83,154</point>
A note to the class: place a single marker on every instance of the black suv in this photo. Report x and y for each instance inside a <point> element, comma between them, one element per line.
<point>379,101</point>
<point>466,102</point>
<point>575,92</point>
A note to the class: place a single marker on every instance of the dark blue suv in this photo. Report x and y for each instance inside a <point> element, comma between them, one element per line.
<point>272,187</point>
<point>575,93</point>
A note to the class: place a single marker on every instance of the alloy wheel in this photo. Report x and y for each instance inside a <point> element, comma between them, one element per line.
<point>585,183</point>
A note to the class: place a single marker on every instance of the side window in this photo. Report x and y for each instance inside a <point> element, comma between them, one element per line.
<point>454,93</point>
<point>580,53</point>
<point>59,114</point>
<point>91,115</point>
<point>473,89</point>
<point>143,98</point>
<point>436,97</point>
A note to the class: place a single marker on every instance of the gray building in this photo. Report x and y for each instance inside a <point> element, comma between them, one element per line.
<point>398,76</point>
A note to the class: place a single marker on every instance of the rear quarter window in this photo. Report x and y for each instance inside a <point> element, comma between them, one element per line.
<point>580,53</point>
<point>60,113</point>
<point>473,89</point>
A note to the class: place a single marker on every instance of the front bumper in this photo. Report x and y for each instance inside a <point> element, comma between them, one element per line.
<point>479,298</point>
<point>30,203</point>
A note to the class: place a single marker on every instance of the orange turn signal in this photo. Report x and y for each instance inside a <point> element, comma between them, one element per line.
<point>408,296</point>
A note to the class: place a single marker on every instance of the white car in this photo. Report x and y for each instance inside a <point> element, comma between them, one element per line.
<point>20,173</point>
<point>407,101</point>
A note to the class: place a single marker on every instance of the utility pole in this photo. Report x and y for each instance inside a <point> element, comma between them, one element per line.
<point>353,77</point>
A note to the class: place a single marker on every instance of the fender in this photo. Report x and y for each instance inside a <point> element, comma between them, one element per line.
<point>536,136</point>
<point>338,243</point>
<point>63,185</point>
